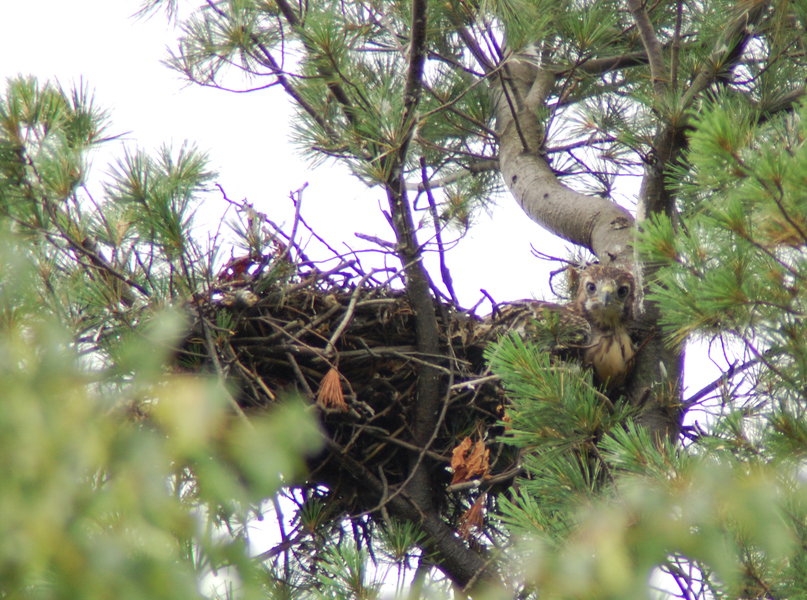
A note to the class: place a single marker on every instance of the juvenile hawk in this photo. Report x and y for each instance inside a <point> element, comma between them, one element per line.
<point>595,327</point>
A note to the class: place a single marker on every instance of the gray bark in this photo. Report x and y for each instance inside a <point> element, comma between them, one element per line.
<point>592,222</point>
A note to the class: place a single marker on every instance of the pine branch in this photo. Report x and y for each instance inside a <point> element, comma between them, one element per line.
<point>480,166</point>
<point>727,50</point>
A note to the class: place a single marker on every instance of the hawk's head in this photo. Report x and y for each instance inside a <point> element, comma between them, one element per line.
<point>606,296</point>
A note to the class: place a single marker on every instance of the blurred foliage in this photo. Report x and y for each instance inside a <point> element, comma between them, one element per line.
<point>114,470</point>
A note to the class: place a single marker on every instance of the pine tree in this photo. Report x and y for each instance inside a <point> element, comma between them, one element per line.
<point>432,102</point>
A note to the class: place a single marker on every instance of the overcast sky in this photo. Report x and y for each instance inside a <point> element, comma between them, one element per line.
<point>246,137</point>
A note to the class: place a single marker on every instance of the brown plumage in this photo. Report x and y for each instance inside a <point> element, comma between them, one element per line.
<point>595,327</point>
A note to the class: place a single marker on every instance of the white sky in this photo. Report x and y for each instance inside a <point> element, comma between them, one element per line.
<point>246,136</point>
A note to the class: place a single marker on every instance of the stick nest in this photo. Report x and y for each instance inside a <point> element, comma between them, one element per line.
<point>346,341</point>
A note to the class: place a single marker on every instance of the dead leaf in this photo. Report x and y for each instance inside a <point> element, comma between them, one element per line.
<point>469,460</point>
<point>473,517</point>
<point>330,392</point>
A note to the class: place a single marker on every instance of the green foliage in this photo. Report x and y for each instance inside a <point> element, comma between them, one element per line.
<point>87,285</point>
<point>724,515</point>
<point>401,541</point>
<point>158,196</point>
<point>555,406</point>
<point>347,574</point>
<point>558,415</point>
<point>738,267</point>
<point>595,521</point>
<point>115,474</point>
<point>87,510</point>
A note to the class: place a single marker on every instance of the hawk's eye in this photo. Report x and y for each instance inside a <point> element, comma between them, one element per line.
<point>591,287</point>
<point>623,292</point>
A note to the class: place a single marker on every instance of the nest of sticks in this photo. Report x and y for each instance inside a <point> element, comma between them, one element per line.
<point>345,340</point>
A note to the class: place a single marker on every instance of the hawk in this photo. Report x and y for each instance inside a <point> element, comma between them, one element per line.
<point>594,328</point>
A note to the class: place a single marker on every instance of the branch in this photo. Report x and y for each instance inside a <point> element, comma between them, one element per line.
<point>724,379</point>
<point>676,45</point>
<point>782,104</point>
<point>89,248</point>
<point>728,48</point>
<point>444,272</point>
<point>288,12</point>
<point>481,166</point>
<point>214,357</point>
<point>601,66</point>
<point>351,307</point>
<point>485,484</point>
<point>655,58</point>
<point>462,563</point>
<point>593,222</point>
<point>417,58</point>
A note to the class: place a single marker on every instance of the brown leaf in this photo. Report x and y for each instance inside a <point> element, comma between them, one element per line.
<point>330,392</point>
<point>469,460</point>
<point>473,517</point>
<point>506,419</point>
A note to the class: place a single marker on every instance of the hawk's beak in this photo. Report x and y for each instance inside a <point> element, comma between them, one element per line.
<point>605,295</point>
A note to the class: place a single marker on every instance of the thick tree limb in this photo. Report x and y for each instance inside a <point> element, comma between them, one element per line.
<point>655,197</point>
<point>658,71</point>
<point>595,223</point>
<point>459,562</point>
<point>659,364</point>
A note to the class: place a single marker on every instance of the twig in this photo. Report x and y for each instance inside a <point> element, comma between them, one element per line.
<point>494,305</point>
<point>419,361</point>
<point>211,348</point>
<point>302,345</point>
<point>300,376</point>
<point>100,262</point>
<point>548,257</point>
<point>486,483</point>
<point>351,307</point>
<point>481,166</point>
<point>375,240</point>
<point>257,379</point>
<point>298,204</point>
<point>722,380</point>
<point>445,274</point>
<point>472,383</point>
<point>421,451</point>
<point>317,276</point>
<point>381,434</point>
<point>676,45</point>
<point>524,145</point>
